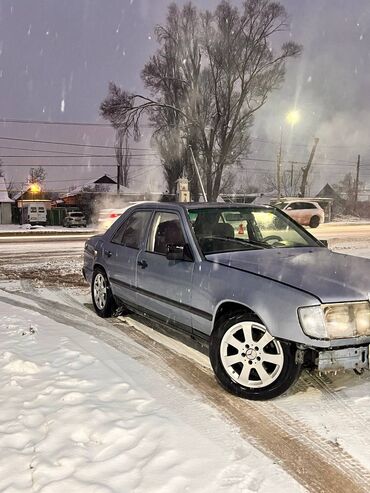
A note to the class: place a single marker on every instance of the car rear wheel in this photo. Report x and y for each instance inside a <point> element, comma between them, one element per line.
<point>314,221</point>
<point>102,296</point>
<point>248,361</point>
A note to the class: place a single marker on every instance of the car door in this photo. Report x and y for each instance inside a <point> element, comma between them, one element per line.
<point>164,286</point>
<point>121,254</point>
<point>308,210</point>
<point>297,212</point>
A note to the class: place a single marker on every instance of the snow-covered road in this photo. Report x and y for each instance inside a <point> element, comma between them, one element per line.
<point>114,406</point>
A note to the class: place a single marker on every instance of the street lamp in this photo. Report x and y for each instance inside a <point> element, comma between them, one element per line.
<point>292,117</point>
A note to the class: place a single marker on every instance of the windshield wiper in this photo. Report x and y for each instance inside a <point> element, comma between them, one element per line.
<point>260,244</point>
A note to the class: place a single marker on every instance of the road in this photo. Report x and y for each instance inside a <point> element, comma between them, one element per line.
<point>335,233</point>
<point>343,231</point>
<point>321,422</point>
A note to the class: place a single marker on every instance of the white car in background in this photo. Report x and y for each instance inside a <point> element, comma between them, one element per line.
<point>305,212</point>
<point>106,217</point>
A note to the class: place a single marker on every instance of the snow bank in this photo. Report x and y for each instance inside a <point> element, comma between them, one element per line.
<point>79,416</point>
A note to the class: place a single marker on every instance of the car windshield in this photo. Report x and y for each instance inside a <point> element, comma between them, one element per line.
<point>226,229</point>
<point>76,214</point>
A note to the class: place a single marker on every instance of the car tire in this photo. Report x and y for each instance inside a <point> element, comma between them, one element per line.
<point>272,367</point>
<point>314,221</point>
<point>101,293</point>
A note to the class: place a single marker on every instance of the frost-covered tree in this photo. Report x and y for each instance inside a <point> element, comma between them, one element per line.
<point>212,71</point>
<point>110,109</point>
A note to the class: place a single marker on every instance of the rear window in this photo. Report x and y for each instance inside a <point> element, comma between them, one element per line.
<point>132,231</point>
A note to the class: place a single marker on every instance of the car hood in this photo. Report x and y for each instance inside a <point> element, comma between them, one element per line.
<point>329,276</point>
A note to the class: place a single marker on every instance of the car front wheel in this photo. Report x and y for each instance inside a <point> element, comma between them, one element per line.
<point>248,361</point>
<point>102,296</point>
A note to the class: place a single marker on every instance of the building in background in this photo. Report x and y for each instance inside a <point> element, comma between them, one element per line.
<point>5,203</point>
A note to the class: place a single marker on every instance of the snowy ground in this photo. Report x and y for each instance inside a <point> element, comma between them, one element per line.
<point>90,405</point>
<point>27,228</point>
<point>80,416</point>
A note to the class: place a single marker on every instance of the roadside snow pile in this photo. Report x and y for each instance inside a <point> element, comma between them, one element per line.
<point>79,416</point>
<point>348,218</point>
<point>28,228</point>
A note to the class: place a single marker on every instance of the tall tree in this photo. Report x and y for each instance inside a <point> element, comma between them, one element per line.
<point>211,73</point>
<point>110,109</point>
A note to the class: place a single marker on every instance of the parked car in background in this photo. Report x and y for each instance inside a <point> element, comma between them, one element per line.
<point>307,213</point>
<point>76,219</point>
<point>107,217</point>
<point>266,295</point>
<point>34,213</point>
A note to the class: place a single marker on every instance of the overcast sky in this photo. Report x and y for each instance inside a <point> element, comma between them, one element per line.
<point>57,56</point>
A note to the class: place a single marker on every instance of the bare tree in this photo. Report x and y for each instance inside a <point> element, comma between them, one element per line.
<point>2,172</point>
<point>347,189</point>
<point>290,184</point>
<point>212,72</point>
<point>37,175</point>
<point>111,110</point>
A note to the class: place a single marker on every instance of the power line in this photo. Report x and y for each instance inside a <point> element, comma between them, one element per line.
<point>62,153</point>
<point>54,165</point>
<point>35,141</point>
<point>16,156</point>
<point>76,124</point>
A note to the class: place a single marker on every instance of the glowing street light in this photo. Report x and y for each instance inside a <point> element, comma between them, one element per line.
<point>293,117</point>
<point>35,188</point>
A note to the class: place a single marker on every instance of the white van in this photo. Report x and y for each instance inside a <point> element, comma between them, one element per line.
<point>34,213</point>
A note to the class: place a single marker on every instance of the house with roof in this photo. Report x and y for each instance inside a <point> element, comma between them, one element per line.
<point>100,186</point>
<point>5,204</point>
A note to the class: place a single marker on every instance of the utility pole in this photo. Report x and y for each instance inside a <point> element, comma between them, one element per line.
<point>118,178</point>
<point>357,180</point>
<point>198,175</point>
<point>307,168</point>
<point>278,164</point>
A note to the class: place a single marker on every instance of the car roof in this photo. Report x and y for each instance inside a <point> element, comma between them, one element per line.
<point>198,205</point>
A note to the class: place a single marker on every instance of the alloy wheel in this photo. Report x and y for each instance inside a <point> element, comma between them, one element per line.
<point>250,355</point>
<point>100,291</point>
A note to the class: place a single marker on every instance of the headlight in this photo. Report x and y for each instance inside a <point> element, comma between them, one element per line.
<point>312,321</point>
<point>336,321</point>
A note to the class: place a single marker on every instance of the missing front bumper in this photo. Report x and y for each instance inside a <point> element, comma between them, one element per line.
<point>343,359</point>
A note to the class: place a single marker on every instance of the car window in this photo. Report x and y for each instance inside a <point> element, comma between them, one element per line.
<point>308,205</point>
<point>33,209</point>
<point>132,231</point>
<point>247,229</point>
<point>166,230</point>
<point>41,209</point>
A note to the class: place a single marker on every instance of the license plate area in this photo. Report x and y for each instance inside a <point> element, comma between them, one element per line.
<point>343,359</point>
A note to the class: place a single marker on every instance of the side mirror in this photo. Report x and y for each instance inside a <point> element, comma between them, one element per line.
<point>289,209</point>
<point>324,243</point>
<point>178,252</point>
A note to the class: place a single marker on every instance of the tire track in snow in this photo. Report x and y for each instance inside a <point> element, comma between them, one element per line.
<point>316,463</point>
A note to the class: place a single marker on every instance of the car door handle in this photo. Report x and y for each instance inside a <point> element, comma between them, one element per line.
<point>143,263</point>
<point>107,253</point>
